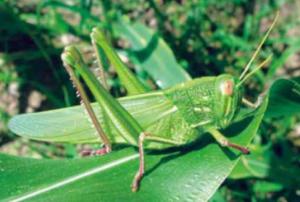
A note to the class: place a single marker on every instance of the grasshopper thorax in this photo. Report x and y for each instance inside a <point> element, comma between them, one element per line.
<point>228,99</point>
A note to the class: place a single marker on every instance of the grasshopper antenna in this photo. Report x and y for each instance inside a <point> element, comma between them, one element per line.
<point>254,70</point>
<point>259,47</point>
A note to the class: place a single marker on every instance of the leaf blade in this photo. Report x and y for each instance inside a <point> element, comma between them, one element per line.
<point>284,98</point>
<point>151,54</point>
<point>195,172</point>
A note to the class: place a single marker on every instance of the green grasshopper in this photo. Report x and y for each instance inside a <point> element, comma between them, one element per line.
<point>148,120</point>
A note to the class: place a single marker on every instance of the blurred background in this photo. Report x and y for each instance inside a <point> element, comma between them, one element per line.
<point>205,37</point>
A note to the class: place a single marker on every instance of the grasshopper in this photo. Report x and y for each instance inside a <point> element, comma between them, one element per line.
<point>148,120</point>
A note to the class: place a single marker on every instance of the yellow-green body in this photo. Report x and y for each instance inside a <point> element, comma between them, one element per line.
<point>181,113</point>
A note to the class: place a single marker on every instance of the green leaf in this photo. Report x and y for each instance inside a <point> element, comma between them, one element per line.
<point>191,173</point>
<point>151,54</point>
<point>264,164</point>
<point>284,98</point>
<point>266,187</point>
<point>293,48</point>
<point>284,101</point>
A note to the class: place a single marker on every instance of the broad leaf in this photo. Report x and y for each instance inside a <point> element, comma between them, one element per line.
<point>151,54</point>
<point>264,164</point>
<point>284,98</point>
<point>284,101</point>
<point>191,173</point>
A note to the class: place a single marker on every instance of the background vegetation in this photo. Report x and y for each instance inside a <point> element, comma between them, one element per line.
<point>206,37</point>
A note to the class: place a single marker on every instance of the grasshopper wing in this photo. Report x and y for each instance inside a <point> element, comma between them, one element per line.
<point>72,124</point>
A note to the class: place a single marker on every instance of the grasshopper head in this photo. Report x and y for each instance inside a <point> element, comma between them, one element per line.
<point>228,99</point>
<point>229,90</point>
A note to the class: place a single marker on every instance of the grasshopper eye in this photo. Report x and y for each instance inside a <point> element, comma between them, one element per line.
<point>227,88</point>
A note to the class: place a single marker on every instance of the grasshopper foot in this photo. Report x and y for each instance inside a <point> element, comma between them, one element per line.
<point>139,175</point>
<point>99,152</point>
<point>244,150</point>
<point>136,181</point>
<point>258,102</point>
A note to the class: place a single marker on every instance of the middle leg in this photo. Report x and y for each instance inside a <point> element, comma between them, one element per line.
<point>140,173</point>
